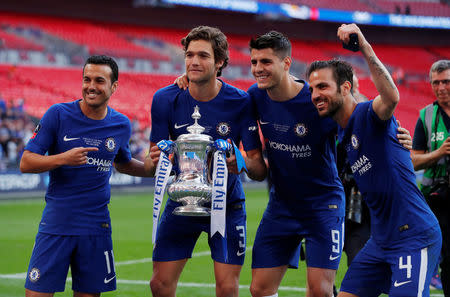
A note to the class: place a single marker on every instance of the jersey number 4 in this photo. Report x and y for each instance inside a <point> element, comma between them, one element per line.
<point>406,265</point>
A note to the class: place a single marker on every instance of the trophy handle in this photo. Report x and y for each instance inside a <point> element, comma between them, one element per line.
<point>210,150</point>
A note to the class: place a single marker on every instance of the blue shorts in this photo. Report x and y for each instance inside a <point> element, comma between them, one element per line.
<point>90,258</point>
<point>397,272</point>
<point>278,241</point>
<point>177,235</point>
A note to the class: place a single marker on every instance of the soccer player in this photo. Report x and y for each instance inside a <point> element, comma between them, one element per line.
<point>403,249</point>
<point>226,113</point>
<point>306,197</point>
<point>83,139</point>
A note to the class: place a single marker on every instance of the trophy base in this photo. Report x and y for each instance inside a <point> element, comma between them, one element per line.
<point>192,211</point>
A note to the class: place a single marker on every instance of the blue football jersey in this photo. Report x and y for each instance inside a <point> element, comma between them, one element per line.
<point>228,115</point>
<point>301,151</point>
<point>385,176</point>
<point>77,196</point>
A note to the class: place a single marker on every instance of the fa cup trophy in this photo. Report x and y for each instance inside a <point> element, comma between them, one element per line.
<point>192,186</point>
<point>201,179</point>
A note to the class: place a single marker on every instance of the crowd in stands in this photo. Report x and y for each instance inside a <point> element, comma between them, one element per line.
<point>40,59</point>
<point>16,128</point>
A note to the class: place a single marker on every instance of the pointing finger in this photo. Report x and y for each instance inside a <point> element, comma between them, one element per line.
<point>89,149</point>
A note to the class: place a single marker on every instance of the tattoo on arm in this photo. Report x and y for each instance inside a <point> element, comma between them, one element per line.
<point>381,70</point>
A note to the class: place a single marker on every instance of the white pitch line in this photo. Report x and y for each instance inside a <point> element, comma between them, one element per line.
<point>203,285</point>
<point>147,260</point>
<point>120,263</point>
<point>22,276</point>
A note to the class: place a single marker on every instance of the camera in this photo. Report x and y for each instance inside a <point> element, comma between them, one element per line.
<point>354,210</point>
<point>440,189</point>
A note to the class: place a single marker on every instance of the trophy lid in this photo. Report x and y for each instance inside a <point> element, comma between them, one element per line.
<point>195,130</point>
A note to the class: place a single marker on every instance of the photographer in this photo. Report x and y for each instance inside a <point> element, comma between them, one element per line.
<point>431,151</point>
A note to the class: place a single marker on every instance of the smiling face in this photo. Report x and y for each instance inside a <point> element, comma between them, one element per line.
<point>325,94</point>
<point>268,68</point>
<point>200,62</point>
<point>97,87</point>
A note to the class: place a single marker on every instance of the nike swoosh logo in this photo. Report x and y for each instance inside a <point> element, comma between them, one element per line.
<point>69,139</point>
<point>180,126</point>
<point>263,123</point>
<point>240,253</point>
<point>401,283</point>
<point>333,258</point>
<point>107,280</point>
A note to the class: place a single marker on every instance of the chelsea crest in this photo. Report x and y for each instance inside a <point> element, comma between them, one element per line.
<point>223,128</point>
<point>110,144</point>
<point>300,130</point>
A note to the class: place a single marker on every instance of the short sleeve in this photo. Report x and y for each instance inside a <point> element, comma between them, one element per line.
<point>45,133</point>
<point>419,139</point>
<point>249,127</point>
<point>374,117</point>
<point>159,117</point>
<point>124,152</point>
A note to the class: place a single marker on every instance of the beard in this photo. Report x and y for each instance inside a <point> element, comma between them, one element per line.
<point>333,106</point>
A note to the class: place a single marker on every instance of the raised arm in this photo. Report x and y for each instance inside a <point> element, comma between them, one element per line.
<point>384,104</point>
<point>36,163</point>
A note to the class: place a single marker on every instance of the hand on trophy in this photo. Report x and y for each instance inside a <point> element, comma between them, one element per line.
<point>231,159</point>
<point>155,151</point>
<point>154,154</point>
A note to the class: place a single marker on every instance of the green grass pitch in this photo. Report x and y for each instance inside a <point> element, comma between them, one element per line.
<point>132,224</point>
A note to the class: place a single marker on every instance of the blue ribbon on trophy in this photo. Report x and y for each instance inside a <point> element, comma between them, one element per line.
<point>161,178</point>
<point>239,158</point>
<point>221,144</point>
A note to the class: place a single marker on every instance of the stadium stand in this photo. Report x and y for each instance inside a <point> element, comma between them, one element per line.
<point>349,5</point>
<point>173,37</point>
<point>151,57</point>
<point>430,8</point>
<point>15,42</point>
<point>426,8</point>
<point>97,38</point>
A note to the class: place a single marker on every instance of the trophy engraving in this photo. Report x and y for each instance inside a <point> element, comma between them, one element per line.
<point>192,186</point>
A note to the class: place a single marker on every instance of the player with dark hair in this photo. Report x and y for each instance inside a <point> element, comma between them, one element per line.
<point>218,41</point>
<point>306,197</point>
<point>226,113</point>
<point>405,241</point>
<point>78,143</point>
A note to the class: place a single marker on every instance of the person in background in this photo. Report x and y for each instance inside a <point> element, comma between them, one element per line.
<point>431,152</point>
